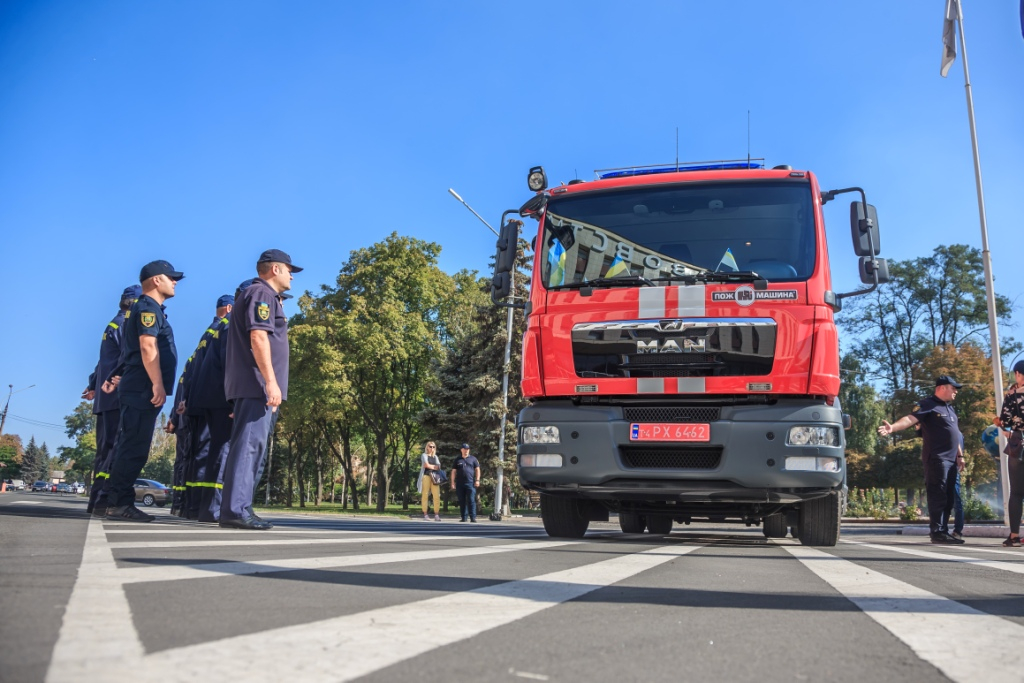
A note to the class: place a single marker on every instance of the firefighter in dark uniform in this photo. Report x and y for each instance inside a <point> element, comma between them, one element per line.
<point>940,453</point>
<point>256,380</point>
<point>105,405</point>
<point>208,395</point>
<point>195,390</point>
<point>150,360</point>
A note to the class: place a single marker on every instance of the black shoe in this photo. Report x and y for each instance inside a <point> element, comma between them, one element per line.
<point>945,539</point>
<point>473,520</point>
<point>99,511</point>
<point>463,519</point>
<point>259,519</point>
<point>1012,542</point>
<point>248,523</point>
<point>128,513</point>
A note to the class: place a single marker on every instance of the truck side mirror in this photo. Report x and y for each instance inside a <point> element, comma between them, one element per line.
<point>501,286</point>
<point>864,229</point>
<point>508,241</point>
<point>869,267</point>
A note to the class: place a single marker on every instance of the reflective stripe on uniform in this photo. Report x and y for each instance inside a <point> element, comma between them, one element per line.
<point>102,475</point>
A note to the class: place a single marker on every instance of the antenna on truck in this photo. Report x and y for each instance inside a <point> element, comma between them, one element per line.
<point>677,148</point>
<point>748,137</point>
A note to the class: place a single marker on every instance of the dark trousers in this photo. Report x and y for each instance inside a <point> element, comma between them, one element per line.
<point>1015,504</point>
<point>134,437</point>
<point>467,499</point>
<point>250,432</point>
<point>106,435</point>
<point>211,478</point>
<point>196,463</point>
<point>958,508</point>
<point>940,480</point>
<point>182,453</point>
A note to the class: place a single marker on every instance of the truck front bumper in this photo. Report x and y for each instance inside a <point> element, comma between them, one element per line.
<point>744,462</point>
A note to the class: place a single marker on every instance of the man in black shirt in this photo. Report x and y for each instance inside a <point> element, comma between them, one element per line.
<point>465,481</point>
<point>150,360</point>
<point>256,380</point>
<point>940,452</point>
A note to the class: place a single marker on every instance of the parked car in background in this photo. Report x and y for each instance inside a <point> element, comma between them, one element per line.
<point>149,492</point>
<point>78,487</point>
<point>41,486</point>
<point>64,487</point>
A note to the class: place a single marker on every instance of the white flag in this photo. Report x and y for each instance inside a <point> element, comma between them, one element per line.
<point>949,37</point>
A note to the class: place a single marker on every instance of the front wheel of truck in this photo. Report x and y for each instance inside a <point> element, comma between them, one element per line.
<point>659,525</point>
<point>562,518</point>
<point>820,519</point>
<point>632,523</point>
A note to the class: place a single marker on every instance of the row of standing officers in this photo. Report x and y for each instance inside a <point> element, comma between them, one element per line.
<point>226,399</point>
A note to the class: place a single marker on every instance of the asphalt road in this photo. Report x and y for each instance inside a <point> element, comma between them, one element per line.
<point>326,598</point>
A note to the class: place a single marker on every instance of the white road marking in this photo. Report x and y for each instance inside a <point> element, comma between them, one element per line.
<point>26,502</point>
<point>265,540</point>
<point>98,634</point>
<point>214,569</point>
<point>351,646</point>
<point>1015,567</point>
<point>963,643</point>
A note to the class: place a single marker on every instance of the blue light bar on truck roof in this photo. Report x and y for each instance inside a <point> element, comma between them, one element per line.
<point>605,173</point>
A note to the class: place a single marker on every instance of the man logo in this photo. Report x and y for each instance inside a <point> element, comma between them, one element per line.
<point>147,319</point>
<point>671,346</point>
<point>262,311</point>
<point>744,295</point>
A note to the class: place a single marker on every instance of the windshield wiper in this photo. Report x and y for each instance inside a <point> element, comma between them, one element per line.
<point>631,281</point>
<point>719,276</point>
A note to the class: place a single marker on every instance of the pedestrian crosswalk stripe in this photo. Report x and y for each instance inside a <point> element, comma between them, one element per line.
<point>356,645</point>
<point>958,640</point>
<point>1015,567</point>
<point>214,569</point>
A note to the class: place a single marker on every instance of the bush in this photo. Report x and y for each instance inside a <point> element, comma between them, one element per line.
<point>976,509</point>
<point>873,503</point>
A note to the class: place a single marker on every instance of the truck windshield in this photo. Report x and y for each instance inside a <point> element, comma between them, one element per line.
<point>679,230</point>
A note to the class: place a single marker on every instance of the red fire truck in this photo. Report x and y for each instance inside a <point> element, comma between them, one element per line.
<point>681,357</point>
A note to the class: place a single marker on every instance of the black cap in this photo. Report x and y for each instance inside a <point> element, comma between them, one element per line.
<point>154,268</point>
<point>466,446</point>
<point>947,379</point>
<point>1019,367</point>
<point>225,300</point>
<point>131,292</point>
<point>278,256</point>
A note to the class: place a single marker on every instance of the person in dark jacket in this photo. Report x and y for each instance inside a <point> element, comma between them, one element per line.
<point>1011,420</point>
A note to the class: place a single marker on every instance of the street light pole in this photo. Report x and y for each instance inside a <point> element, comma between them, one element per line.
<point>499,489</point>
<point>10,392</point>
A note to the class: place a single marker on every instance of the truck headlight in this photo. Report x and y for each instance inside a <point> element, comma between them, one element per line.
<point>810,464</point>
<point>540,435</point>
<point>802,435</point>
<point>540,460</point>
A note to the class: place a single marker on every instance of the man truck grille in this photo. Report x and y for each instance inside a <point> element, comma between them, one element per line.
<point>674,458</point>
<point>671,414</point>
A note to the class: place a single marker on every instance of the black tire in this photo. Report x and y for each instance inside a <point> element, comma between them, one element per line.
<point>148,500</point>
<point>820,520</point>
<point>774,526</point>
<point>632,523</point>
<point>562,518</point>
<point>160,505</point>
<point>659,525</point>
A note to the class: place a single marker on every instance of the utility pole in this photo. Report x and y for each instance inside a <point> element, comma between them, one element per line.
<point>499,489</point>
<point>10,392</point>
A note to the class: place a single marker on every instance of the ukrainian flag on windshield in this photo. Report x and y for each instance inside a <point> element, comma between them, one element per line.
<point>617,268</point>
<point>729,261</point>
<point>556,261</point>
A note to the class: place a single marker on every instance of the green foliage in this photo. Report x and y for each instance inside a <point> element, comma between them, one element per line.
<point>78,460</point>
<point>975,509</point>
<point>160,465</point>
<point>35,462</point>
<point>860,401</point>
<point>871,503</point>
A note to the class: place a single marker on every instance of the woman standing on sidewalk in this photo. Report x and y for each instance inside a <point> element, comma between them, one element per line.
<point>426,486</point>
<point>1011,419</point>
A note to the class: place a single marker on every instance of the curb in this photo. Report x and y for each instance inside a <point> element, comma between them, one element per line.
<point>970,531</point>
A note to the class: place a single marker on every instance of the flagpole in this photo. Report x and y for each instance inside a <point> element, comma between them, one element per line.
<point>986,258</point>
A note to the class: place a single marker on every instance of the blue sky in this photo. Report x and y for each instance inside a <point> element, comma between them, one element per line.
<point>205,132</point>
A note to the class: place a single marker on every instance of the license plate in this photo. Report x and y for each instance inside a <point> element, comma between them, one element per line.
<point>669,431</point>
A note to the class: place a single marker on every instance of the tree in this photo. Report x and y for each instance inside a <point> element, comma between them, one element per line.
<point>78,460</point>
<point>11,454</point>
<point>160,464</point>
<point>35,463</point>
<point>860,401</point>
<point>929,301</point>
<point>386,310</point>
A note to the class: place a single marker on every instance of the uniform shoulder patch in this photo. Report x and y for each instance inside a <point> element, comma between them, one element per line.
<point>147,318</point>
<point>262,310</point>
